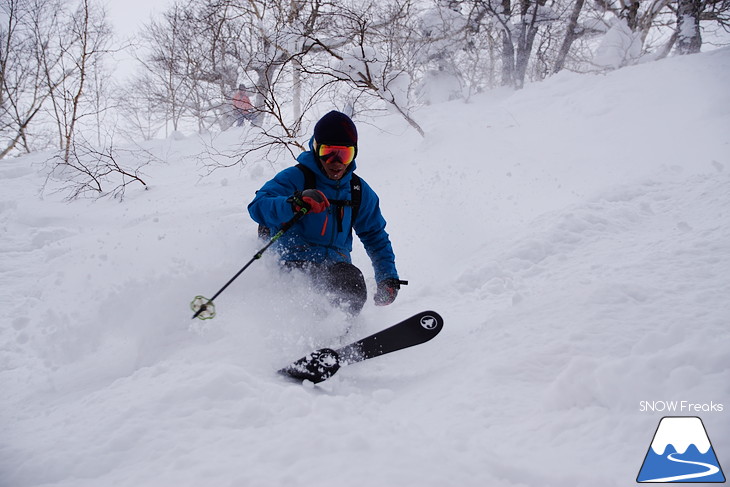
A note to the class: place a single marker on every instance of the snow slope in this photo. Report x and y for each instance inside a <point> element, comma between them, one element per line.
<point>574,235</point>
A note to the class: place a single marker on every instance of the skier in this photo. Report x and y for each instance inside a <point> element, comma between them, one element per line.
<point>243,107</point>
<point>320,243</point>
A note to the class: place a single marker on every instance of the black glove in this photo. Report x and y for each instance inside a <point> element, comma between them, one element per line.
<point>312,199</point>
<point>387,291</point>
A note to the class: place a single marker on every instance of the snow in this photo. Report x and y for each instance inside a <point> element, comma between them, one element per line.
<point>619,46</point>
<point>574,236</point>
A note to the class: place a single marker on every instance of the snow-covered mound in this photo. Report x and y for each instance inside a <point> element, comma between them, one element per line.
<point>574,236</point>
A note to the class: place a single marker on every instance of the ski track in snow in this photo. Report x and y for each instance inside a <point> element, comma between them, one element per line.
<point>581,265</point>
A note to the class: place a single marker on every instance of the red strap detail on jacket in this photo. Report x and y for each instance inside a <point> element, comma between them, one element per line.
<point>324,227</point>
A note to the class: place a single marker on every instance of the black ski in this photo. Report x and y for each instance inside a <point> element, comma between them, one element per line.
<point>322,364</point>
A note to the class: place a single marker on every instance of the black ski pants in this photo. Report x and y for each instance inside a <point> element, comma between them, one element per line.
<point>341,281</point>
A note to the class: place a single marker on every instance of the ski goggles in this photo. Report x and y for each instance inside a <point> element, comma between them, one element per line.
<point>331,153</point>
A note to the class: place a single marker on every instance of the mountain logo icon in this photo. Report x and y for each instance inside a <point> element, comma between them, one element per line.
<point>680,452</point>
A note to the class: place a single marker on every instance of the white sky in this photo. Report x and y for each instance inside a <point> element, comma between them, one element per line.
<point>127,17</point>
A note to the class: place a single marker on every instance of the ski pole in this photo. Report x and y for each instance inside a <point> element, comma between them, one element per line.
<point>203,305</point>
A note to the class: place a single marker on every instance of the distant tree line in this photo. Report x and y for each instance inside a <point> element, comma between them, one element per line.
<point>293,55</point>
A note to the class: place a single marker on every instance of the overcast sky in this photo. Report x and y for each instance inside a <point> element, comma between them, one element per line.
<point>127,17</point>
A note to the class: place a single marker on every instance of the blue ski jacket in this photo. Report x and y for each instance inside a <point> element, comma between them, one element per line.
<point>321,237</point>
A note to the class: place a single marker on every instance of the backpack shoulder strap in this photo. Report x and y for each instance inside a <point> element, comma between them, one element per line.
<point>355,190</point>
<point>309,177</point>
<point>355,195</point>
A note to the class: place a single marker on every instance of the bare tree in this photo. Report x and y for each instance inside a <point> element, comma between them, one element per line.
<point>290,54</point>
<point>364,56</point>
<point>572,32</point>
<point>140,113</point>
<point>191,61</point>
<point>84,41</point>
<point>165,66</point>
<point>95,172</point>
<point>519,24</point>
<point>640,16</point>
<point>375,62</point>
<point>26,64</point>
<point>717,12</point>
<point>689,37</point>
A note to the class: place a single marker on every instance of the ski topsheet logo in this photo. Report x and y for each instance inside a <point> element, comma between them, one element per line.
<point>681,452</point>
<point>429,322</point>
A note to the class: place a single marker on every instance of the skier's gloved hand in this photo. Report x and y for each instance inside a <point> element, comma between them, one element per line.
<point>312,199</point>
<point>387,291</point>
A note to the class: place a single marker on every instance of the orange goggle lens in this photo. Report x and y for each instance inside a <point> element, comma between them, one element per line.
<point>331,153</point>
